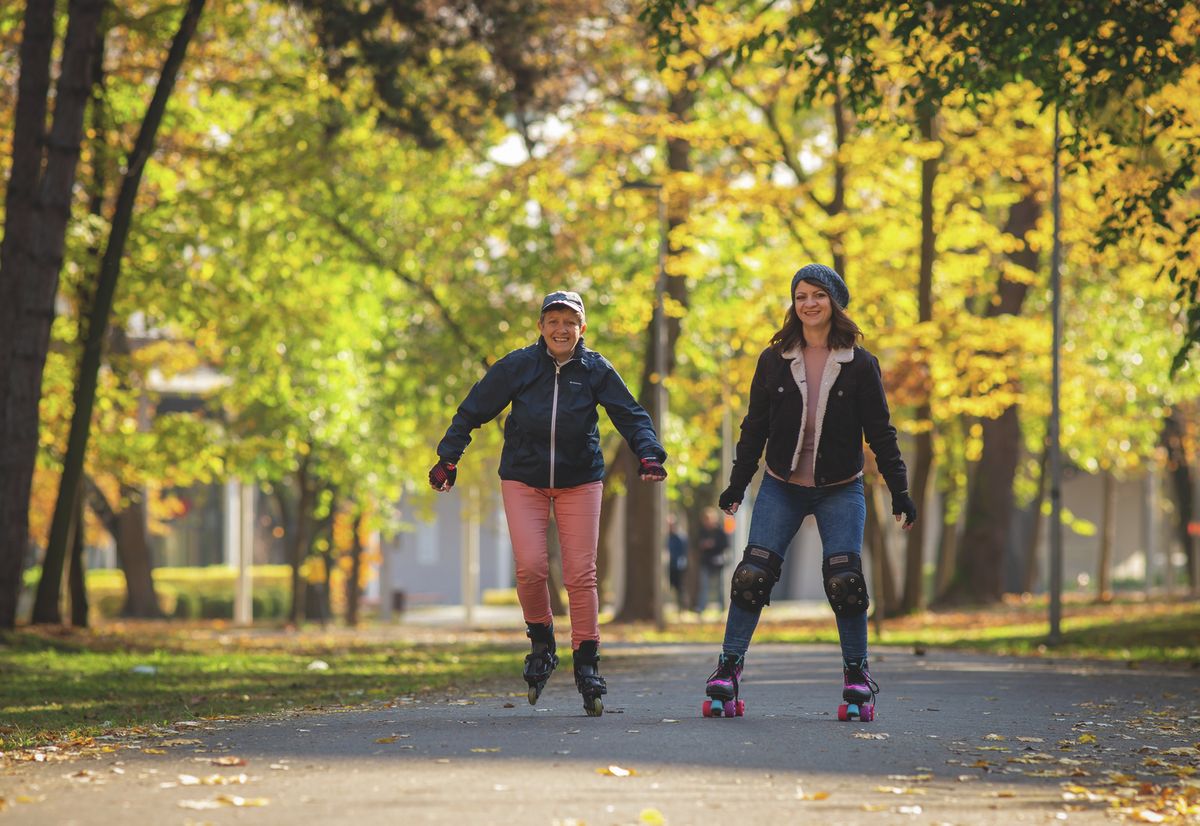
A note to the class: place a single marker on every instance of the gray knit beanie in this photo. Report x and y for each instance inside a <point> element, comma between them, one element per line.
<point>827,277</point>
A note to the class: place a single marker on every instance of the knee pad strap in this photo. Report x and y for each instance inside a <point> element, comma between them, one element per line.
<point>754,577</point>
<point>845,584</point>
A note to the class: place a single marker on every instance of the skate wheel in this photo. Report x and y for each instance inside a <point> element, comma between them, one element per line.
<point>594,706</point>
<point>867,713</point>
<point>533,695</point>
<point>706,709</point>
<point>741,708</point>
<point>843,712</point>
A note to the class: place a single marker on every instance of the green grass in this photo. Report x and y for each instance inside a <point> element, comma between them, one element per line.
<point>81,684</point>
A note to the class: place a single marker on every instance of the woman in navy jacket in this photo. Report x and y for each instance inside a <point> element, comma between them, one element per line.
<point>815,395</point>
<point>551,458</point>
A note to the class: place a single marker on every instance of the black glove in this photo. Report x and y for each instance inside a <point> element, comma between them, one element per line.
<point>902,503</point>
<point>442,475</point>
<point>729,497</point>
<point>654,469</point>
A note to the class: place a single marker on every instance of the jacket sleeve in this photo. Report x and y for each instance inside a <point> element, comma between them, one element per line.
<point>490,395</point>
<point>755,428</point>
<point>630,418</point>
<point>878,429</point>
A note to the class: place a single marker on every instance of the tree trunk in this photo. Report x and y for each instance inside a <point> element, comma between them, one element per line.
<point>37,210</point>
<point>914,550</point>
<point>76,572</point>
<point>1108,535</point>
<point>884,587</point>
<point>951,532</point>
<point>985,542</point>
<point>353,591</point>
<point>603,548</point>
<point>1182,490</point>
<point>45,608</point>
<point>642,556</point>
<point>133,554</point>
<point>298,529</point>
<point>1030,573</point>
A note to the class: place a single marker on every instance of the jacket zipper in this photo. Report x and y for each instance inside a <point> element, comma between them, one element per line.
<point>554,420</point>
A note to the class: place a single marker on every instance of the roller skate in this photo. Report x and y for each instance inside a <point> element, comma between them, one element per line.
<point>541,660</point>
<point>858,692</point>
<point>722,688</point>
<point>587,677</point>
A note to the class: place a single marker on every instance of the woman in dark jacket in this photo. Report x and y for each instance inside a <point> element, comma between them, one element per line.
<point>551,458</point>
<point>814,396</point>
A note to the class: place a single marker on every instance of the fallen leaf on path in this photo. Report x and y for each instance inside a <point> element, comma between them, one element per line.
<point>863,735</point>
<point>910,810</point>
<point>180,741</point>
<point>803,795</point>
<point>616,771</point>
<point>228,760</point>
<point>1002,793</point>
<point>154,751</point>
<point>1031,739</point>
<point>994,737</point>
<point>483,750</point>
<point>234,800</point>
<point>898,790</point>
<point>910,778</point>
<point>667,720</point>
<point>391,739</point>
<point>651,817</point>
<point>1087,738</point>
<point>199,804</point>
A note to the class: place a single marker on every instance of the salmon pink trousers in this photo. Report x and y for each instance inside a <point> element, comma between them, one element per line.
<point>577,513</point>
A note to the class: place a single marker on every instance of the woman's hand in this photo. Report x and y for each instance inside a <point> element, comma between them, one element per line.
<point>730,498</point>
<point>652,470</point>
<point>442,475</point>
<point>904,506</point>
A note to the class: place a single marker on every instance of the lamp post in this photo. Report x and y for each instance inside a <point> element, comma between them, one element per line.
<point>1054,434</point>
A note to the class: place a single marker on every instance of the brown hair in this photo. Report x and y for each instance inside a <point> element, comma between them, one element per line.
<point>843,332</point>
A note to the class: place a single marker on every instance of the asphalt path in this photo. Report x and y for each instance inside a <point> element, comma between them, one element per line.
<point>957,738</point>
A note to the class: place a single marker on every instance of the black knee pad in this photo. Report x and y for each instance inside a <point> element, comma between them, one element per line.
<point>754,577</point>
<point>845,584</point>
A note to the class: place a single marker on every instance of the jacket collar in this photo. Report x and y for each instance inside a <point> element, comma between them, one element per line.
<point>842,355</point>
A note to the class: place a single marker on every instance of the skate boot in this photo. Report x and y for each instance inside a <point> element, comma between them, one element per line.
<point>587,677</point>
<point>858,692</point>
<point>722,688</point>
<point>541,660</point>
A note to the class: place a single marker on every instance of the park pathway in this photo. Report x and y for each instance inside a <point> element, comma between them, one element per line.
<point>959,738</point>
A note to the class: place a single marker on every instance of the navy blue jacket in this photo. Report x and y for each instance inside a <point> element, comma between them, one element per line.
<point>551,437</point>
<point>856,407</point>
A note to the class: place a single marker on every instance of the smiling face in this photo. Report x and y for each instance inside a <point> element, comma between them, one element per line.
<point>813,306</point>
<point>561,329</point>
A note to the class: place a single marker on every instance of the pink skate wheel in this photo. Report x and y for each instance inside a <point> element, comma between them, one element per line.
<point>843,712</point>
<point>867,713</point>
<point>741,708</point>
<point>706,709</point>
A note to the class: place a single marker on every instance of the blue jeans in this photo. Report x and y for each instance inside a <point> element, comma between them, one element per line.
<point>841,513</point>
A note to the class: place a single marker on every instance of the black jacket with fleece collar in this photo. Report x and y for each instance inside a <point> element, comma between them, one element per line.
<point>851,405</point>
<point>551,436</point>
